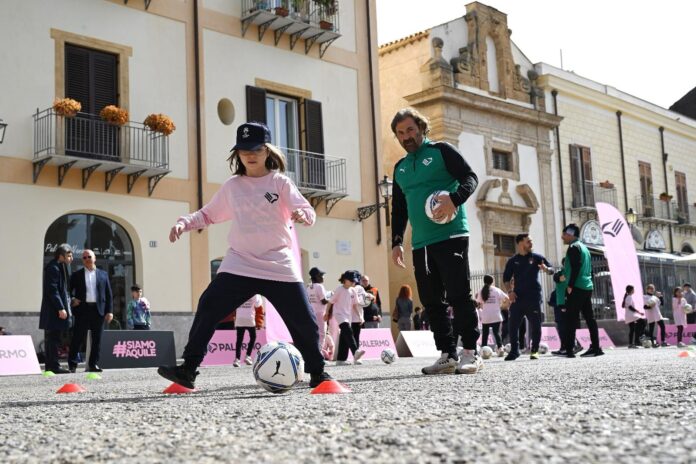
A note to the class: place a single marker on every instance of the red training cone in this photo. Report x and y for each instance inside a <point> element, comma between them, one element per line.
<point>71,388</point>
<point>684,354</point>
<point>328,387</point>
<point>176,389</point>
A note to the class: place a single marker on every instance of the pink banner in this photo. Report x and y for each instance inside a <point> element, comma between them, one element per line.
<point>549,335</point>
<point>689,332</point>
<point>620,254</point>
<point>17,355</point>
<point>221,348</point>
<point>583,335</point>
<point>374,341</point>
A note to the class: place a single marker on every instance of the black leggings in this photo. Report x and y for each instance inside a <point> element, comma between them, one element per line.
<point>240,339</point>
<point>635,330</point>
<point>522,334</point>
<point>495,328</point>
<point>346,341</point>
<point>680,333</point>
<point>663,330</point>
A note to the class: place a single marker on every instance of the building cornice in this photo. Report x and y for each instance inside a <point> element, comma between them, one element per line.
<point>482,103</point>
<point>396,44</point>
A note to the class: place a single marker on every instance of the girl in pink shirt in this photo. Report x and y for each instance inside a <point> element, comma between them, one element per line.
<point>261,203</point>
<point>678,302</point>
<point>344,306</point>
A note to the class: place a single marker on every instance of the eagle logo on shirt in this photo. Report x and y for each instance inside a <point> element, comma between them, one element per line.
<point>271,197</point>
<point>427,161</point>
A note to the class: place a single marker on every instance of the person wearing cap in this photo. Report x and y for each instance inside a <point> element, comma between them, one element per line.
<point>261,204</point>
<point>344,306</point>
<point>316,292</point>
<point>373,307</point>
<point>440,245</point>
<point>578,272</point>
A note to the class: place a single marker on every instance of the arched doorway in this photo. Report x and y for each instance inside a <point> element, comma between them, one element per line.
<point>112,247</point>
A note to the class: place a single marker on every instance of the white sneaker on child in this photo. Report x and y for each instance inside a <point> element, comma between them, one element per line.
<point>236,363</point>
<point>469,363</point>
<point>444,365</point>
<point>681,345</point>
<point>249,361</point>
<point>358,354</point>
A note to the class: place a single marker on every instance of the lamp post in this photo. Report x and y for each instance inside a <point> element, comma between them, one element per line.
<point>385,189</point>
<point>631,217</point>
<point>3,126</point>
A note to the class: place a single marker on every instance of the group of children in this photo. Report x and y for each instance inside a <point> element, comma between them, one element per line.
<point>642,316</point>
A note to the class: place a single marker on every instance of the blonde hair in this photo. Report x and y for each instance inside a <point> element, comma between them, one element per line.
<point>274,161</point>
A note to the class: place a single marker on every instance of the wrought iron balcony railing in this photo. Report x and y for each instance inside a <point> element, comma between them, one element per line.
<point>588,193</point>
<point>686,215</point>
<point>299,19</point>
<point>87,142</point>
<point>652,207</point>
<point>317,176</point>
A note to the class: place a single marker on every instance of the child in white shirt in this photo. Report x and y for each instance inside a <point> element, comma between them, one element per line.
<point>344,307</point>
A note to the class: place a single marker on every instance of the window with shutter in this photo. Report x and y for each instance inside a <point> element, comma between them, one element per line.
<point>256,104</point>
<point>581,176</point>
<point>314,133</point>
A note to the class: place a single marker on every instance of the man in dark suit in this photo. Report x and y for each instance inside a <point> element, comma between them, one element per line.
<point>56,315</point>
<point>92,303</point>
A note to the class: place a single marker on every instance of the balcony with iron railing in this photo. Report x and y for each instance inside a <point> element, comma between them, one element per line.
<point>314,21</point>
<point>652,208</point>
<point>686,215</point>
<point>588,193</point>
<point>317,176</point>
<point>87,142</point>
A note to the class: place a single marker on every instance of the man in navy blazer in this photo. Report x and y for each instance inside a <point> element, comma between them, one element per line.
<point>92,305</point>
<point>56,315</point>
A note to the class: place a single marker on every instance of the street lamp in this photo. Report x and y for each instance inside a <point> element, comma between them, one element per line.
<point>385,189</point>
<point>631,216</point>
<point>3,126</point>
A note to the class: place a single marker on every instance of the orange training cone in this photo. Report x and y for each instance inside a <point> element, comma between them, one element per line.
<point>684,354</point>
<point>71,388</point>
<point>328,387</point>
<point>176,389</point>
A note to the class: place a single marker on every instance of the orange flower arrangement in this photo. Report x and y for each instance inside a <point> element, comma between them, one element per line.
<point>66,107</point>
<point>160,123</point>
<point>114,115</point>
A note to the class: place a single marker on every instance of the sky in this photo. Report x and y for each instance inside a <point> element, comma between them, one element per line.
<point>642,48</point>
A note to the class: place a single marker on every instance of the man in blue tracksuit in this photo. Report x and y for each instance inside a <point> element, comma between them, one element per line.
<point>441,245</point>
<point>525,293</point>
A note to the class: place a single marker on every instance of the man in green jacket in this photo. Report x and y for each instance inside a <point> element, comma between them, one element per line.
<point>578,272</point>
<point>441,245</point>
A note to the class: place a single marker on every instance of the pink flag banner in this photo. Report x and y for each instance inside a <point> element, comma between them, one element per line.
<point>583,336</point>
<point>671,332</point>
<point>620,254</point>
<point>275,327</point>
<point>17,355</point>
<point>221,348</point>
<point>549,335</point>
<point>374,341</point>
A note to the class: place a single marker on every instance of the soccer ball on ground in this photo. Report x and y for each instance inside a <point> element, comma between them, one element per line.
<point>486,352</point>
<point>646,342</point>
<point>278,367</point>
<point>432,202</point>
<point>507,348</point>
<point>543,348</point>
<point>388,356</point>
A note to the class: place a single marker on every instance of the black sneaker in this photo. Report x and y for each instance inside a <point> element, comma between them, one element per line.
<point>590,352</point>
<point>179,374</point>
<point>559,353</point>
<point>316,379</point>
<point>578,348</point>
<point>512,356</point>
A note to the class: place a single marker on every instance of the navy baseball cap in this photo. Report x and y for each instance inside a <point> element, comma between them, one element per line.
<point>315,271</point>
<point>251,136</point>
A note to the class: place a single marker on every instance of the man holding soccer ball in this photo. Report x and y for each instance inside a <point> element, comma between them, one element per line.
<point>440,237</point>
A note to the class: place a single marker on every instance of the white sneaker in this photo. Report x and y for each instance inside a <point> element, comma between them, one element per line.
<point>343,363</point>
<point>236,363</point>
<point>444,365</point>
<point>501,352</point>
<point>681,345</point>
<point>248,361</point>
<point>358,354</point>
<point>358,362</point>
<point>469,363</point>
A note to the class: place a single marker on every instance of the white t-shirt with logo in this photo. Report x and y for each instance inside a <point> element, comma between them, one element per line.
<point>317,292</point>
<point>490,311</point>
<point>246,313</point>
<point>345,305</point>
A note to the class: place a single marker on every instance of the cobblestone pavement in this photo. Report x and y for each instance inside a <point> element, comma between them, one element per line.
<point>630,406</point>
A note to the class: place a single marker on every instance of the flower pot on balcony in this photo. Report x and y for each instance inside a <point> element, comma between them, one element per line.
<point>114,115</point>
<point>606,184</point>
<point>281,11</point>
<point>665,197</point>
<point>67,107</point>
<point>326,25</point>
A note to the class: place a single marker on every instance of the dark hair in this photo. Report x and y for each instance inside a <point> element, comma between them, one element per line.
<point>520,237</point>
<point>629,288</point>
<point>486,290</point>
<point>674,292</point>
<point>412,113</point>
<point>135,288</point>
<point>572,229</point>
<point>62,250</point>
<point>274,161</point>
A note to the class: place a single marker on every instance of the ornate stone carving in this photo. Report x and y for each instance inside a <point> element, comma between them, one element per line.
<point>504,198</point>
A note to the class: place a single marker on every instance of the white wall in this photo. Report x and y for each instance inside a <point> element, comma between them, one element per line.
<point>157,67</point>
<point>472,147</point>
<point>454,34</point>
<point>163,271</point>
<point>335,86</point>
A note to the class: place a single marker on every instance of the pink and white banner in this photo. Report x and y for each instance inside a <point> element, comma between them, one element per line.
<point>689,332</point>
<point>17,355</point>
<point>583,336</point>
<point>620,254</point>
<point>221,348</point>
<point>374,341</point>
<point>549,335</point>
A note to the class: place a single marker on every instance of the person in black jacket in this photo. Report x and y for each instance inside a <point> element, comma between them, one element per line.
<point>56,315</point>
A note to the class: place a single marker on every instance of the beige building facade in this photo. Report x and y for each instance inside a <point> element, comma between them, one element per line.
<point>209,65</point>
<point>480,94</point>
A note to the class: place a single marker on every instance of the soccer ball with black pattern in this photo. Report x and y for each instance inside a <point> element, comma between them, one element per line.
<point>278,367</point>
<point>388,356</point>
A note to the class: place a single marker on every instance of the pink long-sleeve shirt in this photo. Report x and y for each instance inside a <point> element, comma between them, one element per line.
<point>260,237</point>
